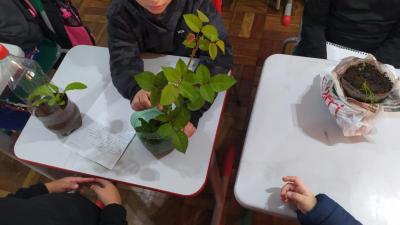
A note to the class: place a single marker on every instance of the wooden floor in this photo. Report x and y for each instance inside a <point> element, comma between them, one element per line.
<point>255,33</point>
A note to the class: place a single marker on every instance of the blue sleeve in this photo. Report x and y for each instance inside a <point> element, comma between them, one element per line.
<point>327,212</point>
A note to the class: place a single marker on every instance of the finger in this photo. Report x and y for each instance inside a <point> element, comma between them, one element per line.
<point>103,182</point>
<point>294,179</point>
<point>96,188</point>
<point>142,102</point>
<point>296,197</point>
<point>145,100</point>
<point>71,185</point>
<point>82,179</point>
<point>284,190</point>
<point>136,104</point>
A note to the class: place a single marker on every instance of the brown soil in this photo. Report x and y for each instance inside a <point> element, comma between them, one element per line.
<point>377,81</point>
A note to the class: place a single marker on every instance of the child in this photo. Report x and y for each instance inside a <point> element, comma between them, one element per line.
<point>137,26</point>
<point>48,204</point>
<point>313,210</point>
<point>371,26</point>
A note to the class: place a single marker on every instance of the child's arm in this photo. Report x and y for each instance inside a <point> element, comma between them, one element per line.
<point>319,210</point>
<point>32,191</point>
<point>124,50</point>
<point>58,186</point>
<point>113,213</point>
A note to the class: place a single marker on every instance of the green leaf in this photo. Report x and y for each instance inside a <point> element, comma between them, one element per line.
<point>75,86</point>
<point>180,117</point>
<point>52,102</point>
<point>155,96</point>
<point>166,131</point>
<point>41,91</point>
<point>53,87</point>
<point>188,44</point>
<point>181,67</point>
<point>189,77</point>
<point>171,74</point>
<point>222,82</point>
<point>40,102</point>
<point>59,99</point>
<point>221,45</point>
<point>180,141</point>
<point>196,104</point>
<point>160,81</point>
<point>210,32</point>
<point>187,90</point>
<point>202,17</point>
<point>207,93</point>
<point>204,44</point>
<point>162,118</point>
<point>202,74</point>
<point>145,80</point>
<point>193,22</point>
<point>179,101</point>
<point>213,51</point>
<point>169,94</point>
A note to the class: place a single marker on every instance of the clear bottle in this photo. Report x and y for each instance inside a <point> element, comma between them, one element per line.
<point>22,76</point>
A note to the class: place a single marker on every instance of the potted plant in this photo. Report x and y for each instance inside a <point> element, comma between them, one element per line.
<point>175,91</point>
<point>54,109</point>
<point>365,80</point>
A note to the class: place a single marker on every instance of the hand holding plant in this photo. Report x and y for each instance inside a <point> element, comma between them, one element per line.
<point>180,90</point>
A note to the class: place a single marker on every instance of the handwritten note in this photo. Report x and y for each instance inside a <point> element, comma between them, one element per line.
<point>97,143</point>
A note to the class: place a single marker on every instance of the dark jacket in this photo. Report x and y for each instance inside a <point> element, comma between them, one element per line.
<point>372,26</point>
<point>326,212</point>
<point>17,26</point>
<point>133,30</point>
<point>35,206</point>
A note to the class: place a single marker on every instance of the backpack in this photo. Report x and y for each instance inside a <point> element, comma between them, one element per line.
<point>60,22</point>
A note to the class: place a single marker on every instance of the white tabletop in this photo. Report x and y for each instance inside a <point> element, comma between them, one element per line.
<point>292,133</point>
<point>177,173</point>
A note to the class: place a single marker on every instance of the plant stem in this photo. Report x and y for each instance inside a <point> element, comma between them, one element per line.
<point>195,49</point>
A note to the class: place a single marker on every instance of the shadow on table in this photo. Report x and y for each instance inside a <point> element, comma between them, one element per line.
<point>314,118</point>
<point>275,204</point>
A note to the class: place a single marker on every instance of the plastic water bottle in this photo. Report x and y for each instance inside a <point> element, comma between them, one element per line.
<point>21,75</point>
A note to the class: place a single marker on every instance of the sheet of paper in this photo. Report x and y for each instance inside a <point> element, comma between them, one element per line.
<point>97,143</point>
<point>337,52</point>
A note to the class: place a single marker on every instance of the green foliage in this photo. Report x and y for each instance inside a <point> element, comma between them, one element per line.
<point>368,93</point>
<point>51,95</point>
<point>180,90</point>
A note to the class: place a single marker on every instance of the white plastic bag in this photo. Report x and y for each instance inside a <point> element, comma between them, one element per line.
<point>354,117</point>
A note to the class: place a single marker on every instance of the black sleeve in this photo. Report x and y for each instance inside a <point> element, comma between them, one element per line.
<point>223,62</point>
<point>389,52</point>
<point>313,39</point>
<point>124,50</point>
<point>326,212</point>
<point>32,191</point>
<point>113,214</point>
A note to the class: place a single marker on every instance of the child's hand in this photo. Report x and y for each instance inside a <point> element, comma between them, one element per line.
<point>106,192</point>
<point>67,184</point>
<point>141,100</point>
<point>189,129</point>
<point>295,192</point>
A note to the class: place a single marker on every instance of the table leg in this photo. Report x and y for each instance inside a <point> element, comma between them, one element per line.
<point>220,184</point>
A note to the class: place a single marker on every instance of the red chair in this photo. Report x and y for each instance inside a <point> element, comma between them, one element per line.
<point>218,5</point>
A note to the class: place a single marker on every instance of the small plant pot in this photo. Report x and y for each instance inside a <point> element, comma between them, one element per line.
<point>380,81</point>
<point>60,120</point>
<point>158,146</point>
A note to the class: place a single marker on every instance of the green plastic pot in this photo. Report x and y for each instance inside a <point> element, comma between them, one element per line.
<point>152,141</point>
